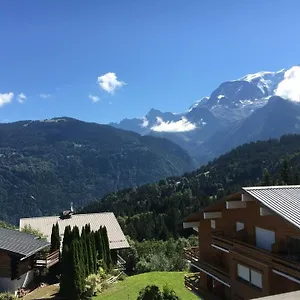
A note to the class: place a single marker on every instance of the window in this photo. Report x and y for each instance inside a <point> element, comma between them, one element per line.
<point>243,272</point>
<point>213,224</point>
<point>264,238</point>
<point>256,278</point>
<point>240,226</point>
<point>249,275</point>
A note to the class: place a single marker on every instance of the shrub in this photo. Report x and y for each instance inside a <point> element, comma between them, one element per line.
<point>7,296</point>
<point>92,285</point>
<point>150,292</point>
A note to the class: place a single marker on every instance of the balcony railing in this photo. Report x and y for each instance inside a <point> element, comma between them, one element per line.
<point>48,261</point>
<point>279,262</point>
<point>192,254</point>
<point>192,283</point>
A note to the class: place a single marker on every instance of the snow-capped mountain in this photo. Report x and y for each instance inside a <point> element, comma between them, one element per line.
<point>230,103</point>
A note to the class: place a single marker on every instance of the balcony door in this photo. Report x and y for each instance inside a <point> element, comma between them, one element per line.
<point>264,238</point>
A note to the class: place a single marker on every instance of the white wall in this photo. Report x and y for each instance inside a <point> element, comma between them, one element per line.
<point>12,286</point>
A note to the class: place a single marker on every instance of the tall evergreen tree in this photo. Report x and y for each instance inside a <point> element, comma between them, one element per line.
<point>106,249</point>
<point>285,173</point>
<point>75,233</point>
<point>266,181</point>
<point>65,281</point>
<point>76,272</point>
<point>55,238</point>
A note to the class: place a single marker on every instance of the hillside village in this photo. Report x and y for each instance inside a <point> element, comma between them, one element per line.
<point>149,150</point>
<point>246,248</point>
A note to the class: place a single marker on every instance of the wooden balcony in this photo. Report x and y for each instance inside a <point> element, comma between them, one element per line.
<point>278,262</point>
<point>192,283</point>
<point>210,268</point>
<point>47,261</point>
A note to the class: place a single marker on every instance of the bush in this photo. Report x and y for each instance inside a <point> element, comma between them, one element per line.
<point>7,296</point>
<point>92,285</point>
<point>152,292</point>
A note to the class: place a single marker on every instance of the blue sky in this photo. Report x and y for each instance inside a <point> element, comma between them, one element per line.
<point>106,60</point>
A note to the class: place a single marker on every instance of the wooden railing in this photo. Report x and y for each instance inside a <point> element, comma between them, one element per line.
<point>192,254</point>
<point>279,262</point>
<point>48,261</point>
<point>192,283</point>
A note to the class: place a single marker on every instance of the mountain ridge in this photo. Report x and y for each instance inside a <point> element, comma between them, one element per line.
<point>45,165</point>
<point>231,103</point>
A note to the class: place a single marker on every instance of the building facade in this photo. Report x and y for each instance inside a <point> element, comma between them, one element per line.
<point>249,245</point>
<point>18,259</point>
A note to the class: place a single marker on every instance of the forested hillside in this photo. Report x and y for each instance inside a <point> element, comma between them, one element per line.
<point>156,210</point>
<point>46,165</point>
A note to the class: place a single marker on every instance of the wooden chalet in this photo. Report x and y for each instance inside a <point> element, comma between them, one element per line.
<point>249,245</point>
<point>20,255</point>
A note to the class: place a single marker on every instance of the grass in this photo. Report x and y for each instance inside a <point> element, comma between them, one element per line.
<point>130,287</point>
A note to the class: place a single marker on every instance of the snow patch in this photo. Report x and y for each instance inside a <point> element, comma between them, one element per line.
<point>53,120</point>
<point>221,96</point>
<point>182,125</point>
<point>197,103</point>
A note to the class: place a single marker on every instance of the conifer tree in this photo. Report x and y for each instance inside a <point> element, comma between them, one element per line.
<point>106,247</point>
<point>55,238</point>
<point>266,178</point>
<point>65,281</point>
<point>75,233</point>
<point>285,173</point>
<point>76,272</point>
<point>94,252</point>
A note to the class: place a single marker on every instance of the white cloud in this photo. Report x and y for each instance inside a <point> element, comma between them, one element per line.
<point>180,126</point>
<point>145,122</point>
<point>21,98</point>
<point>94,98</point>
<point>44,96</point>
<point>289,87</point>
<point>109,82</point>
<point>6,98</point>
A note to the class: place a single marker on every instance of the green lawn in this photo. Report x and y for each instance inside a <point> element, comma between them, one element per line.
<point>130,287</point>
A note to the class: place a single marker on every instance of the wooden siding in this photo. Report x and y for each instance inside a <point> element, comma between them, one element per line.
<point>4,264</point>
<point>241,249</point>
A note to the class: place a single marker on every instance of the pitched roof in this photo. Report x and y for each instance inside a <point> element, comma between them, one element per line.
<point>283,200</point>
<point>117,239</point>
<point>285,296</point>
<point>20,243</point>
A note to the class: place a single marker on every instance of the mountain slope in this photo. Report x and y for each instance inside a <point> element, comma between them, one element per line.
<point>275,119</point>
<point>46,165</point>
<point>163,205</point>
<point>228,105</point>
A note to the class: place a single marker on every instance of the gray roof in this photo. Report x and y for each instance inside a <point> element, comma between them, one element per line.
<point>283,200</point>
<point>285,296</point>
<point>117,239</point>
<point>20,243</point>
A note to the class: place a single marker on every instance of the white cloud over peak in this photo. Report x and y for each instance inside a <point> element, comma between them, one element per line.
<point>289,87</point>
<point>6,98</point>
<point>21,98</point>
<point>145,122</point>
<point>44,96</point>
<point>179,126</point>
<point>94,98</point>
<point>109,82</point>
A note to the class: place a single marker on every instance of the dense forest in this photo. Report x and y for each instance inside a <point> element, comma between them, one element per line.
<point>156,210</point>
<point>46,165</point>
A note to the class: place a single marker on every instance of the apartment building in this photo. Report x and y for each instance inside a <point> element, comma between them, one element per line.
<point>249,245</point>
